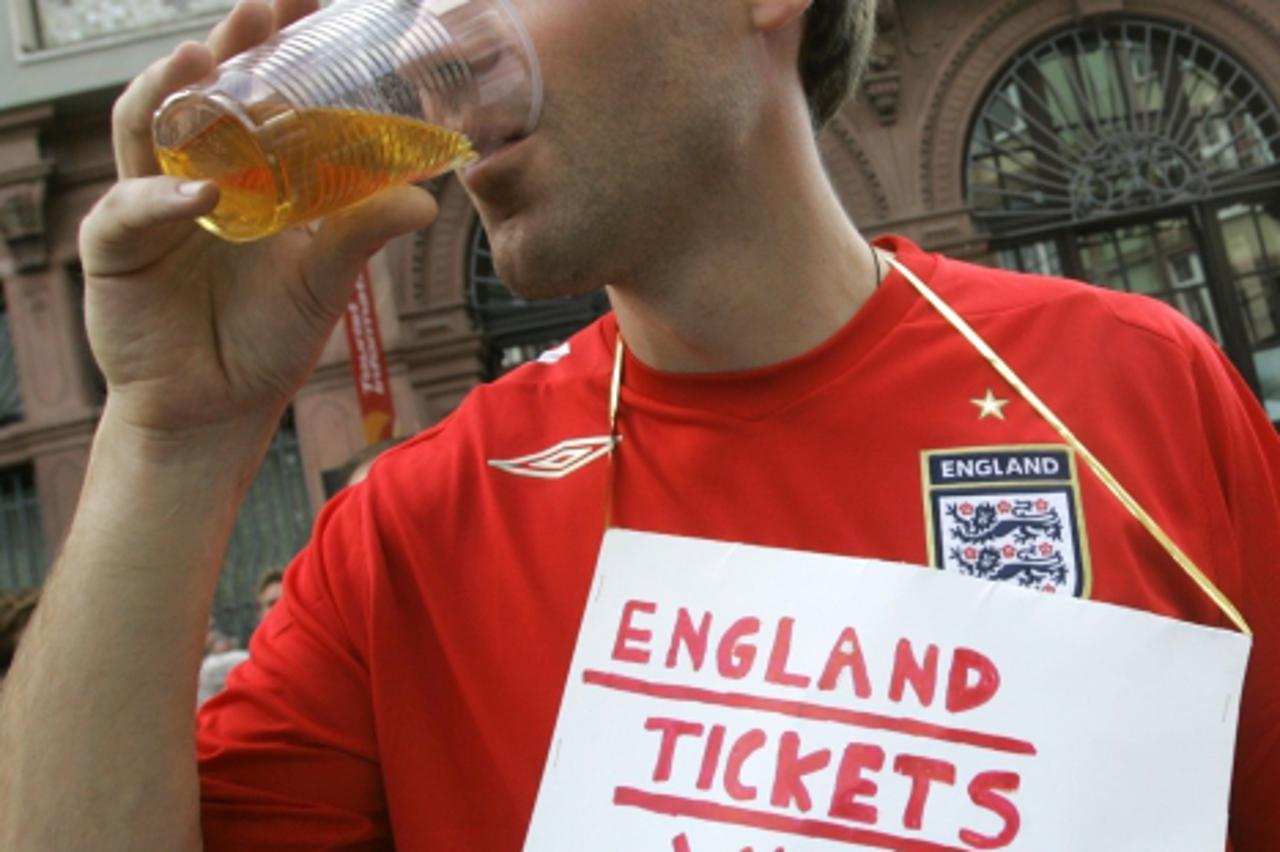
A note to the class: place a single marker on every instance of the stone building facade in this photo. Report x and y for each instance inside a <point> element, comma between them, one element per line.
<point>1134,143</point>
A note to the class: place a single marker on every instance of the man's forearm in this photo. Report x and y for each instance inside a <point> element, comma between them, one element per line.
<point>97,715</point>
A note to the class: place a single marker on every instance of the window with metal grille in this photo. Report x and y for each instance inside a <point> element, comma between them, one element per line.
<point>516,330</point>
<point>1139,155</point>
<point>10,392</point>
<point>273,525</point>
<point>24,557</point>
<point>1113,117</point>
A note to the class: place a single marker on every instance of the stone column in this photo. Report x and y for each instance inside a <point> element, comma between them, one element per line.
<point>58,401</point>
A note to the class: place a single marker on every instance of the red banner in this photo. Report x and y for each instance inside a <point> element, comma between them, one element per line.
<point>369,363</point>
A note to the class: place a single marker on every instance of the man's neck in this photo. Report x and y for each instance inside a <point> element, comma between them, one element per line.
<point>774,269</point>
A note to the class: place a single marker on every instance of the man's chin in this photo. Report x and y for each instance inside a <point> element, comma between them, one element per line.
<point>534,270</point>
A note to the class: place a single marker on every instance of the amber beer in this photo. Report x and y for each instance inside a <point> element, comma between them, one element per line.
<point>303,165</point>
<point>349,100</point>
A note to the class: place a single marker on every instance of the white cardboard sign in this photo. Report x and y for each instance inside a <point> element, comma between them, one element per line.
<point>725,698</point>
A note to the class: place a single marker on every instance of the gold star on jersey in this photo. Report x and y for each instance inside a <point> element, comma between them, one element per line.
<point>990,406</point>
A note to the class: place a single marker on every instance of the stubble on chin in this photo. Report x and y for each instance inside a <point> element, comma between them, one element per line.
<point>566,231</point>
<point>546,260</point>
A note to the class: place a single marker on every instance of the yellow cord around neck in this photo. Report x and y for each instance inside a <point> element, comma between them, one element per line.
<point>1099,469</point>
<point>1006,372</point>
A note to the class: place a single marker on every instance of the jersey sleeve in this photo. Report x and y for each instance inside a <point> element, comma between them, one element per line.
<point>1244,452</point>
<point>287,753</point>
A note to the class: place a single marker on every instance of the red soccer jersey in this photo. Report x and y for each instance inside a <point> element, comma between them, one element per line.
<point>407,687</point>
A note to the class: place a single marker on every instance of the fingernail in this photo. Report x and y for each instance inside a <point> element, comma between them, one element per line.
<point>191,188</point>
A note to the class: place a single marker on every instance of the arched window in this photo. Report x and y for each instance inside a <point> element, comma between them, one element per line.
<point>1139,155</point>
<point>516,330</point>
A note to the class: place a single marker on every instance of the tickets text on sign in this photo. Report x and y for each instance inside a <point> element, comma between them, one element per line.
<point>812,787</point>
<point>727,697</point>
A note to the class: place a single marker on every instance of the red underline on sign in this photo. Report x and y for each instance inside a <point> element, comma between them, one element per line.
<point>715,812</point>
<point>803,710</point>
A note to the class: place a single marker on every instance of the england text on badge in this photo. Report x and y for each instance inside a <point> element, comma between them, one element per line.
<point>1010,514</point>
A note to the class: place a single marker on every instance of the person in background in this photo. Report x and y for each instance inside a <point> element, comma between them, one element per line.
<point>215,668</point>
<point>215,641</point>
<point>270,590</point>
<point>221,654</point>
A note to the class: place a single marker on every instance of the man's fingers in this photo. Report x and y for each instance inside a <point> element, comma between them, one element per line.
<point>346,240</point>
<point>140,220</point>
<point>249,23</point>
<point>133,111</point>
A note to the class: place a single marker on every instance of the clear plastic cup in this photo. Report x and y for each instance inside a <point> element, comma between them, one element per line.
<point>359,96</point>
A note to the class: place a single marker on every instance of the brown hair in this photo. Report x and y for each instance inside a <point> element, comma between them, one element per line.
<point>837,43</point>
<point>271,575</point>
<point>15,611</point>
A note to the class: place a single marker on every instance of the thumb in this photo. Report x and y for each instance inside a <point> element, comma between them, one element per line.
<point>346,240</point>
<point>139,220</point>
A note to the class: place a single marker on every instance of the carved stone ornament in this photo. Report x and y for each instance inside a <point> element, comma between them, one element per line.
<point>882,82</point>
<point>22,224</point>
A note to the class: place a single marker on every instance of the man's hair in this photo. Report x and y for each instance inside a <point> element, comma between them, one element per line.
<point>271,575</point>
<point>15,611</point>
<point>834,53</point>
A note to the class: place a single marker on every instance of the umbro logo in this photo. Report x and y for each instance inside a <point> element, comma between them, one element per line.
<point>559,461</point>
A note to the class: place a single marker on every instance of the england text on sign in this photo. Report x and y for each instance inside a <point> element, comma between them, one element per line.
<point>725,697</point>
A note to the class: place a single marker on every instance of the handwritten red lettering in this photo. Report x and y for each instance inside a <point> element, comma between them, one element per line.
<point>711,757</point>
<point>806,710</point>
<point>693,639</point>
<point>776,671</point>
<point>672,730</point>
<point>871,793</point>
<point>922,771</point>
<point>984,790</point>
<point>748,744</point>
<point>741,653</point>
<point>851,785</point>
<point>963,691</point>
<point>788,779</point>
<point>923,677</point>
<point>846,654</point>
<point>623,650</point>
<point>735,655</point>
<point>800,776</point>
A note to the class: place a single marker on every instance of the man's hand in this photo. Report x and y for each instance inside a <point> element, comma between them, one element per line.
<point>202,343</point>
<point>193,332</point>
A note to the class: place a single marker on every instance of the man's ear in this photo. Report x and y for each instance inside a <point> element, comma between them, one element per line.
<point>770,15</point>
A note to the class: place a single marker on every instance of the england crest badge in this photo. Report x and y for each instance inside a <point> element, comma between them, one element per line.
<point>1010,514</point>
